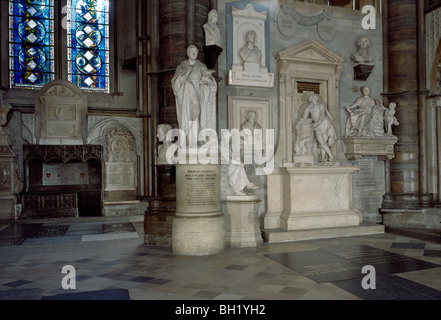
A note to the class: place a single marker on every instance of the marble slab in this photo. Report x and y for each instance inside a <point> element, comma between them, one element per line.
<point>319,266</point>
<point>385,262</point>
<point>390,287</point>
<point>336,263</point>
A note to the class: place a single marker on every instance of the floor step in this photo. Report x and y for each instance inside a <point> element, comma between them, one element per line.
<point>281,235</point>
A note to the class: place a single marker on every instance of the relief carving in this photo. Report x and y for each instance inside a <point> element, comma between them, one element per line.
<point>120,143</point>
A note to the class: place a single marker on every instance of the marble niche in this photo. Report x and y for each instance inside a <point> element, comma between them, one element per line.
<point>310,191</point>
<point>248,51</point>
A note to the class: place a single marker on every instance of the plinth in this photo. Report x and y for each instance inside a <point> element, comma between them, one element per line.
<point>198,227</point>
<point>312,203</point>
<point>242,221</point>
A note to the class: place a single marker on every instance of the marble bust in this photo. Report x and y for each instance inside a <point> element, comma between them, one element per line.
<point>250,122</point>
<point>211,28</point>
<point>362,55</point>
<point>250,52</point>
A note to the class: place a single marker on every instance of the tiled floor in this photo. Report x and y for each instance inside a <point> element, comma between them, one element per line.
<point>109,254</point>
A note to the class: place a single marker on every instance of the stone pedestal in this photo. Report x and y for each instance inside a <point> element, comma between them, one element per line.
<point>211,54</point>
<point>242,222</point>
<point>198,227</point>
<point>362,71</point>
<point>357,147</point>
<point>310,198</point>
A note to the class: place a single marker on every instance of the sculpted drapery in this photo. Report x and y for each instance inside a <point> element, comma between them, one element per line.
<point>195,93</point>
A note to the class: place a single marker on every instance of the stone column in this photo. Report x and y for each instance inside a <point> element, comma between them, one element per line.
<point>407,180</point>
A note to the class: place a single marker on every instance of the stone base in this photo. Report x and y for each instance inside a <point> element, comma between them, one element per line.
<point>198,236</point>
<point>362,71</point>
<point>406,218</point>
<point>310,198</point>
<point>242,223</point>
<point>211,54</point>
<point>158,220</point>
<point>357,147</point>
<point>281,235</point>
<point>318,220</point>
<point>123,208</point>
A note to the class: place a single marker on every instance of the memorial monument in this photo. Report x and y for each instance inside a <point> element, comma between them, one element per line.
<point>249,48</point>
<point>213,41</point>
<point>198,227</point>
<point>310,196</point>
<point>368,129</point>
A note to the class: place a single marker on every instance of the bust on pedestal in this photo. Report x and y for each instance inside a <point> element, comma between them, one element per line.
<point>213,46</point>
<point>363,60</point>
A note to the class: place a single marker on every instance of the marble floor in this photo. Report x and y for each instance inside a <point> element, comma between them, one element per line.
<point>111,261</point>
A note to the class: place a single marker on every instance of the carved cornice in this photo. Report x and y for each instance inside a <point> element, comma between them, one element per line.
<point>47,153</point>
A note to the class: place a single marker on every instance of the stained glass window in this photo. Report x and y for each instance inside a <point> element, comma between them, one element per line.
<point>88,44</point>
<point>31,43</point>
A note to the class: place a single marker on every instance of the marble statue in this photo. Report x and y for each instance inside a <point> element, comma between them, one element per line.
<point>324,132</point>
<point>250,52</point>
<point>362,54</point>
<point>360,115</point>
<point>236,175</point>
<point>162,148</point>
<point>195,92</point>
<point>211,28</point>
<point>389,118</point>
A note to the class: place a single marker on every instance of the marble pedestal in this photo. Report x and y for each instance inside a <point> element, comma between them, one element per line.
<point>198,227</point>
<point>310,198</point>
<point>242,222</point>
